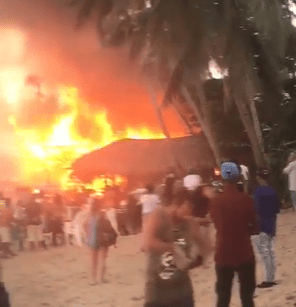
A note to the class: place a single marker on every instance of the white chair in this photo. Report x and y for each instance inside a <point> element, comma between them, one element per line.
<point>69,232</point>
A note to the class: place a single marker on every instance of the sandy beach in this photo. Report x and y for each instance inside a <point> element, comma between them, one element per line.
<point>59,277</point>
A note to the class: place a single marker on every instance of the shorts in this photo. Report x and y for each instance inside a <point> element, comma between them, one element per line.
<point>5,233</point>
<point>35,233</point>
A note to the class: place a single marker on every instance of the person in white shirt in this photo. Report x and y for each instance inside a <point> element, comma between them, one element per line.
<point>149,201</point>
<point>78,223</point>
<point>245,177</point>
<point>290,170</point>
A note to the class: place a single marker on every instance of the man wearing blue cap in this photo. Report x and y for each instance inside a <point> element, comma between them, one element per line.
<point>232,213</point>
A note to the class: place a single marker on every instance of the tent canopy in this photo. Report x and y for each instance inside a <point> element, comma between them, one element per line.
<point>142,157</point>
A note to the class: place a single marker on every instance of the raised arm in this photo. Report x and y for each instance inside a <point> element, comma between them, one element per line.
<point>288,169</point>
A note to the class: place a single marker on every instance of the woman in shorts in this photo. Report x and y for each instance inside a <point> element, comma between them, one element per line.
<point>100,235</point>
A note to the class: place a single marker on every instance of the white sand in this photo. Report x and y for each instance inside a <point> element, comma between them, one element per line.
<point>59,277</point>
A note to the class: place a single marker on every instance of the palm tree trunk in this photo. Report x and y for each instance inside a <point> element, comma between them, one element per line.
<point>242,104</point>
<point>204,122</point>
<point>183,119</point>
<point>254,114</point>
<point>174,161</point>
<point>158,113</point>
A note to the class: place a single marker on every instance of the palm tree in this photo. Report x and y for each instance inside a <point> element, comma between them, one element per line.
<point>174,40</point>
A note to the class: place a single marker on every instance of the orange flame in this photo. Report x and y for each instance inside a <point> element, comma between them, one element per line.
<point>49,153</point>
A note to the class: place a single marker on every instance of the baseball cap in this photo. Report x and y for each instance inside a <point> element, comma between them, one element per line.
<point>191,182</point>
<point>230,171</point>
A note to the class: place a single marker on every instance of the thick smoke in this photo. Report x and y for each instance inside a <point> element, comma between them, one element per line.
<point>59,53</point>
<point>38,37</point>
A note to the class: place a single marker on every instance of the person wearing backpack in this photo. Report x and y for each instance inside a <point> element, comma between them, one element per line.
<point>100,236</point>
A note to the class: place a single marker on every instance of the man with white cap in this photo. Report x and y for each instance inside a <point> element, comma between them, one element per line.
<point>191,181</point>
<point>232,213</point>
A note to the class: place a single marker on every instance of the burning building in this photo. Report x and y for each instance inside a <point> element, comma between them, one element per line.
<point>145,160</point>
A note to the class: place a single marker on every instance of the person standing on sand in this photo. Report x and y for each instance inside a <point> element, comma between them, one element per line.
<point>232,213</point>
<point>170,230</point>
<point>290,170</point>
<point>267,206</point>
<point>6,220</point>
<point>19,217</point>
<point>100,236</point>
<point>34,223</point>
<point>56,219</point>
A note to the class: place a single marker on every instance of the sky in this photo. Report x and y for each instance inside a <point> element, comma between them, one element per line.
<point>48,45</point>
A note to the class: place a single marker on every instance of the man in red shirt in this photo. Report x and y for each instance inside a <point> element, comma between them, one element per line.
<point>232,213</point>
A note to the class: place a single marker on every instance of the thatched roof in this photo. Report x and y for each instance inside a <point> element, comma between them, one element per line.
<point>143,157</point>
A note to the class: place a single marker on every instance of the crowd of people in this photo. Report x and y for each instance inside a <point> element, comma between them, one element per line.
<point>242,223</point>
<point>176,223</point>
<point>175,220</point>
<point>27,221</point>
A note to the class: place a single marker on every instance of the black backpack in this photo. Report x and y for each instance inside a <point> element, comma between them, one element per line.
<point>106,234</point>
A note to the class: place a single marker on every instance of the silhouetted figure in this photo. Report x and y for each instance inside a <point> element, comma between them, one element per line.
<point>34,223</point>
<point>6,221</point>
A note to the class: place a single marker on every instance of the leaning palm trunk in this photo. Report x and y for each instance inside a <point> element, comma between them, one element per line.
<point>174,161</point>
<point>195,109</point>
<point>242,104</point>
<point>158,113</point>
<point>204,122</point>
<point>254,113</point>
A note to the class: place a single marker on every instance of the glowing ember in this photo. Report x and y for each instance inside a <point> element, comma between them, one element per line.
<point>48,152</point>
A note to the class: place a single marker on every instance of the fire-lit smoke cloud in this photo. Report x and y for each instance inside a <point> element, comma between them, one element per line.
<point>38,38</point>
<point>60,54</point>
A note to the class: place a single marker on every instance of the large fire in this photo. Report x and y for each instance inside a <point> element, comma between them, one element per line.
<point>47,153</point>
<point>52,124</point>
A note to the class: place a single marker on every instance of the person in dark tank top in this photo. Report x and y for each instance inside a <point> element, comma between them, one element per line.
<point>168,241</point>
